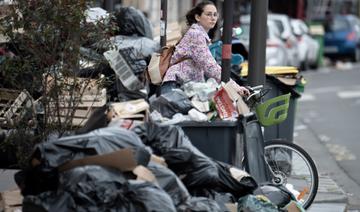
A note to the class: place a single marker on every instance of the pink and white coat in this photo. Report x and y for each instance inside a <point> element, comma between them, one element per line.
<point>200,66</point>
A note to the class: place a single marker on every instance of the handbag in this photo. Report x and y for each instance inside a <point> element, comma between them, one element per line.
<point>160,63</point>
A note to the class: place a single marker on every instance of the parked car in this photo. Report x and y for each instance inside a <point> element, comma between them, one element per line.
<point>276,53</point>
<point>308,47</point>
<point>342,37</point>
<point>287,35</point>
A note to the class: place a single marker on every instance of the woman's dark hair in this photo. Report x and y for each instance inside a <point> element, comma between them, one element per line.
<point>198,10</point>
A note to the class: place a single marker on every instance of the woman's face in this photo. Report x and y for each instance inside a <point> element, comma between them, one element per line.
<point>208,17</point>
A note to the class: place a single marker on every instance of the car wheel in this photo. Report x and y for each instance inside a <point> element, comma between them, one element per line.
<point>304,65</point>
<point>314,65</point>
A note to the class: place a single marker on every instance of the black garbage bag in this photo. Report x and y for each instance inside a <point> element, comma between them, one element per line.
<point>33,181</point>
<point>252,203</point>
<point>143,46</point>
<point>200,204</point>
<point>8,159</point>
<point>137,66</point>
<point>123,94</point>
<point>49,201</point>
<point>170,183</point>
<point>136,63</point>
<point>221,199</point>
<point>196,169</point>
<point>54,153</point>
<point>175,101</point>
<point>131,21</point>
<point>91,187</point>
<point>95,188</point>
<point>277,194</point>
<point>98,119</point>
<point>97,142</point>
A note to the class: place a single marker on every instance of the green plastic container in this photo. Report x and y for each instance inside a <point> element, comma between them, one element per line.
<point>317,31</point>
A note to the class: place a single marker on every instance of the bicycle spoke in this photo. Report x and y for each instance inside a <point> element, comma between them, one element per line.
<point>293,169</point>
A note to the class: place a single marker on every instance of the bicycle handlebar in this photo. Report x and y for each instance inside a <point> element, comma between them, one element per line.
<point>256,95</point>
<point>255,88</point>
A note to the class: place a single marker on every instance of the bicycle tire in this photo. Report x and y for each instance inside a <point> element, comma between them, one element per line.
<point>299,160</point>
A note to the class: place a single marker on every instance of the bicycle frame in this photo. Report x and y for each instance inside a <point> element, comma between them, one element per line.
<point>253,141</point>
<point>252,134</point>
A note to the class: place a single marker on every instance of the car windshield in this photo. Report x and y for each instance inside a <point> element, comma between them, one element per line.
<point>340,24</point>
<point>279,25</point>
<point>246,31</point>
<point>245,35</point>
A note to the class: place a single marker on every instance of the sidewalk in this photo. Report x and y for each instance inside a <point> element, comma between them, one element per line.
<point>330,197</point>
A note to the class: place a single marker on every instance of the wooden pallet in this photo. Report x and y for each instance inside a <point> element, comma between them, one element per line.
<point>82,109</point>
<point>13,106</point>
<point>81,101</point>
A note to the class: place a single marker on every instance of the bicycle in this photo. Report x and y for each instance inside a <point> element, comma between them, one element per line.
<point>289,164</point>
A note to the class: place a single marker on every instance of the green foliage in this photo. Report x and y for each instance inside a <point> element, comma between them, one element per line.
<point>46,36</point>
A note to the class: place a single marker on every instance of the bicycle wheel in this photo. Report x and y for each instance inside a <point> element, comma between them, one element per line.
<point>291,166</point>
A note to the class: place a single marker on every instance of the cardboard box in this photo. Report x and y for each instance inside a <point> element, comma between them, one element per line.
<point>232,207</point>
<point>130,109</point>
<point>293,207</point>
<point>123,160</point>
<point>224,105</point>
<point>11,201</point>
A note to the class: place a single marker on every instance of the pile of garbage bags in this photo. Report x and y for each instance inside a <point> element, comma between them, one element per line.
<point>51,184</point>
<point>148,167</point>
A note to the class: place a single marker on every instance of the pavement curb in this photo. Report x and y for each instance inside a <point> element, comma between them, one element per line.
<point>330,196</point>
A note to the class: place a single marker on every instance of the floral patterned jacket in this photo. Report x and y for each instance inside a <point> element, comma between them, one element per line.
<point>200,66</point>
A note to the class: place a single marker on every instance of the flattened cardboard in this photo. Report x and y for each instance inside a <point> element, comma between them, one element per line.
<point>292,207</point>
<point>242,107</point>
<point>231,90</point>
<point>130,107</point>
<point>123,160</point>
<point>145,174</point>
<point>10,200</point>
<point>232,207</point>
<point>287,81</point>
<point>158,159</point>
<point>224,105</point>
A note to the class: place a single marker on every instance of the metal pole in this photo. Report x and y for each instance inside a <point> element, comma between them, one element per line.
<point>163,22</point>
<point>256,76</point>
<point>257,48</point>
<point>226,38</point>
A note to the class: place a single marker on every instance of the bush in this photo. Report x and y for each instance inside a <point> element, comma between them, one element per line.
<point>46,36</point>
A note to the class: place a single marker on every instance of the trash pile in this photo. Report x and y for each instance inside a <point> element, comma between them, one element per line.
<point>137,166</point>
<point>129,154</point>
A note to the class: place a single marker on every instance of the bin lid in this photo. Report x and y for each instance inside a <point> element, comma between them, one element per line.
<point>215,123</point>
<point>271,70</point>
<point>316,29</point>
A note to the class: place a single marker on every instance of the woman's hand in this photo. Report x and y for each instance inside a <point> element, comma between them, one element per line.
<point>243,91</point>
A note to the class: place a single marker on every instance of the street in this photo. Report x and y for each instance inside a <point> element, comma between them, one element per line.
<point>329,110</point>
